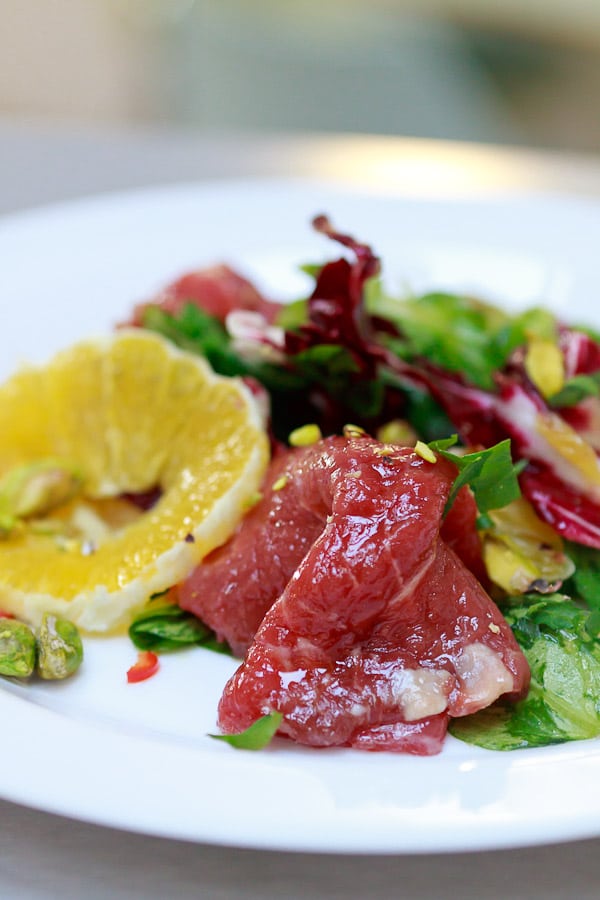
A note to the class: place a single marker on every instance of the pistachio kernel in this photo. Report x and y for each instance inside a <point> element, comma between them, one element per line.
<point>34,489</point>
<point>305,436</point>
<point>425,452</point>
<point>397,431</point>
<point>252,500</point>
<point>351,431</point>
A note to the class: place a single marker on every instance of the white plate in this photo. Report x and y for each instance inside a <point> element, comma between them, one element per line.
<point>137,756</point>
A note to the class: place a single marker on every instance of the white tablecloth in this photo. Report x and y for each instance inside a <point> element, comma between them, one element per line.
<point>45,856</point>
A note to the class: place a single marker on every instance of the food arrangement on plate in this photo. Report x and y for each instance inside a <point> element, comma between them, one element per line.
<point>387,507</point>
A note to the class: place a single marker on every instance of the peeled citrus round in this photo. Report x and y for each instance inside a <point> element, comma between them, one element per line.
<point>129,414</point>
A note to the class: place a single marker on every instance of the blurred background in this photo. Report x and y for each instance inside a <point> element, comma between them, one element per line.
<point>503,71</point>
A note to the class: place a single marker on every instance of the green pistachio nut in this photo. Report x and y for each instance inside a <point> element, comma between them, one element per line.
<point>17,649</point>
<point>35,489</point>
<point>60,651</point>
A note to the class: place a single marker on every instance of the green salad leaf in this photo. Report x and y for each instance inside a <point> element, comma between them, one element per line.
<point>458,333</point>
<point>453,332</point>
<point>575,390</point>
<point>198,332</point>
<point>585,580</point>
<point>563,703</point>
<point>257,736</point>
<point>165,628</point>
<point>491,474</point>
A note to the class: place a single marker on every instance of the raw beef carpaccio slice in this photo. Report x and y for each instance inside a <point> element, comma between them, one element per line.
<point>217,290</point>
<point>232,589</point>
<point>382,633</point>
<point>238,583</point>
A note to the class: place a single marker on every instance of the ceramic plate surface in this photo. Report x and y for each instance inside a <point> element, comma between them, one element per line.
<point>138,757</point>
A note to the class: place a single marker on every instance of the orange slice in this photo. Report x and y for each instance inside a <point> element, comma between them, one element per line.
<point>128,414</point>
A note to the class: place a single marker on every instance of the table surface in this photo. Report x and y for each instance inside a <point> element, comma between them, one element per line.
<point>45,856</point>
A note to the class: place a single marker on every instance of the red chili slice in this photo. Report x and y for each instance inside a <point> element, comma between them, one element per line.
<point>5,615</point>
<point>146,666</point>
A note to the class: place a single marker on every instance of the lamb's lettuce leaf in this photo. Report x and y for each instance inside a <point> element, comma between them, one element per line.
<point>256,737</point>
<point>491,474</point>
<point>165,627</point>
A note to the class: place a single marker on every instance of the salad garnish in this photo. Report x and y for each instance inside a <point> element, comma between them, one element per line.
<point>146,665</point>
<point>520,391</point>
<point>491,475</point>
<point>257,736</point>
<point>433,565</point>
<point>162,627</point>
<point>563,700</point>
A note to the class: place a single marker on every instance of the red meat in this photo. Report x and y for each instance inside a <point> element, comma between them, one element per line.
<point>234,587</point>
<point>459,531</point>
<point>381,633</point>
<point>236,584</point>
<point>217,290</point>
